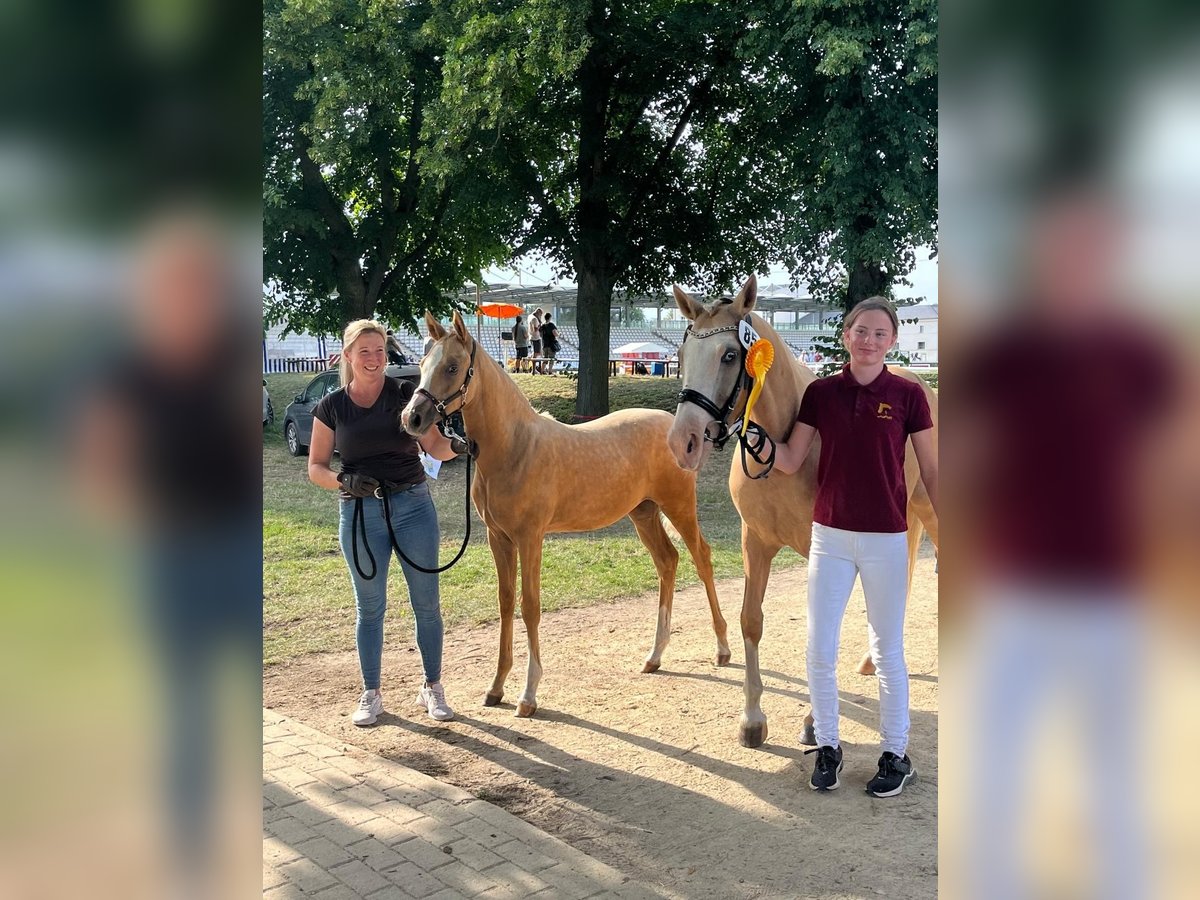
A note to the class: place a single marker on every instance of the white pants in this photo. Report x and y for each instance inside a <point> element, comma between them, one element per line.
<point>836,558</point>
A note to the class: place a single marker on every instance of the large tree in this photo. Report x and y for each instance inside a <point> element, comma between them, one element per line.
<point>648,138</point>
<point>355,224</point>
<point>871,153</point>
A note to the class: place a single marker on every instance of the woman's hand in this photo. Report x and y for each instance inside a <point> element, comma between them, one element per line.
<point>357,485</point>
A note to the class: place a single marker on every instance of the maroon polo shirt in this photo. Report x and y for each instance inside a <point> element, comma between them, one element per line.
<point>863,428</point>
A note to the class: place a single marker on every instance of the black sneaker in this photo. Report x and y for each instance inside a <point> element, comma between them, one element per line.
<point>825,773</point>
<point>894,773</point>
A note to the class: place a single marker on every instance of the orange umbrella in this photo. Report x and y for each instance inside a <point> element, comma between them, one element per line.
<point>500,310</point>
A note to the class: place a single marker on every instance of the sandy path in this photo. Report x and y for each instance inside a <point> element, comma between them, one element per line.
<point>644,771</point>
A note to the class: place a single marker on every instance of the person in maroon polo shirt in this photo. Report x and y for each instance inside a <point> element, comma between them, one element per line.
<point>865,415</point>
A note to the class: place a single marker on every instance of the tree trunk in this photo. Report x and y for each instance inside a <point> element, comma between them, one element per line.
<point>352,296</point>
<point>866,280</point>
<point>594,300</point>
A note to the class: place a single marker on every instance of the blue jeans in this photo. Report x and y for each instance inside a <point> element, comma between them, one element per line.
<point>414,520</point>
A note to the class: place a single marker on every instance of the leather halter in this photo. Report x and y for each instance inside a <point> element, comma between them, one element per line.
<point>755,442</point>
<point>461,393</point>
<point>720,414</point>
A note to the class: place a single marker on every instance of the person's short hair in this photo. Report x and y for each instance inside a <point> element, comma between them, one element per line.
<point>871,303</point>
<point>547,317</point>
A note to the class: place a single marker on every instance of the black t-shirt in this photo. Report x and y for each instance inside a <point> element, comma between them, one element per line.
<point>372,441</point>
<point>549,336</point>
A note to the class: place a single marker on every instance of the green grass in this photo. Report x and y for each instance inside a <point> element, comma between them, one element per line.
<point>308,601</point>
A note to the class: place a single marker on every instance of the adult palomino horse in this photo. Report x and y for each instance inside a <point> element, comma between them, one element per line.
<point>591,476</point>
<point>777,510</point>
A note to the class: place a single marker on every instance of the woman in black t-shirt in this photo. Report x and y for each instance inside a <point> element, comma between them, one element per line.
<point>362,420</point>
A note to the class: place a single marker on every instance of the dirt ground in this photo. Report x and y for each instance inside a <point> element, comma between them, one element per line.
<point>644,772</point>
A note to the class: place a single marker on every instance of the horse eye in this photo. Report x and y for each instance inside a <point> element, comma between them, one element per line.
<point>729,356</point>
<point>452,368</point>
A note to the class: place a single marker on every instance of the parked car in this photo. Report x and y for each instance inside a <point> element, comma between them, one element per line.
<point>298,417</point>
<point>268,408</point>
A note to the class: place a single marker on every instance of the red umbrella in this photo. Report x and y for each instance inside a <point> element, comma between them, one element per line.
<point>500,310</point>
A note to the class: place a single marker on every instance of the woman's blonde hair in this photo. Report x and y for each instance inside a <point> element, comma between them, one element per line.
<point>354,331</point>
<point>880,303</point>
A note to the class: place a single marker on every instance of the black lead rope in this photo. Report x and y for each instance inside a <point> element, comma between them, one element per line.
<point>359,524</point>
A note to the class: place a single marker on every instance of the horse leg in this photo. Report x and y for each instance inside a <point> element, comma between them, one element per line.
<point>756,557</point>
<point>531,615</point>
<point>688,525</point>
<point>504,553</point>
<point>666,563</point>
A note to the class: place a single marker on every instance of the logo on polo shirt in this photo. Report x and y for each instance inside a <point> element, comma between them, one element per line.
<point>882,411</point>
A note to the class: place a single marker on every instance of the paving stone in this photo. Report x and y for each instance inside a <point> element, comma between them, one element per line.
<point>445,812</point>
<point>276,852</point>
<point>376,854</point>
<point>344,833</point>
<point>517,878</point>
<point>307,875</point>
<point>360,877</point>
<point>391,892</point>
<point>447,894</point>
<point>335,777</point>
<point>339,892</point>
<point>284,892</point>
<point>426,855</point>
<point>364,795</point>
<point>324,852</point>
<point>528,858</point>
<point>463,878</point>
<point>435,831</point>
<point>414,880</point>
<point>290,830</point>
<point>474,855</point>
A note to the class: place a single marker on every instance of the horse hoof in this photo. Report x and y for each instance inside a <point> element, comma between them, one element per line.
<point>525,710</point>
<point>492,699</point>
<point>866,667</point>
<point>650,667</point>
<point>723,659</point>
<point>808,737</point>
<point>753,735</point>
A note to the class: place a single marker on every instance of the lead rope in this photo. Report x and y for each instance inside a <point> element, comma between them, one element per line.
<point>359,520</point>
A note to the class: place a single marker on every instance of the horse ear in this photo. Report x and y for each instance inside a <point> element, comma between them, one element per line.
<point>436,331</point>
<point>747,296</point>
<point>686,303</point>
<point>460,328</point>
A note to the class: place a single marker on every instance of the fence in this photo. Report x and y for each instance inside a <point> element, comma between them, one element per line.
<point>294,364</point>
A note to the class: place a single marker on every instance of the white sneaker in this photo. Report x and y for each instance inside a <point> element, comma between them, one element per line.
<point>370,705</point>
<point>433,698</point>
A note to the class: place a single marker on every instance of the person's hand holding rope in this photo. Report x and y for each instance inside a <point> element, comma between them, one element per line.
<point>357,485</point>
<point>464,448</point>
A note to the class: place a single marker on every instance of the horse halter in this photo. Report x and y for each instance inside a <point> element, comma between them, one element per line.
<point>720,415</point>
<point>461,393</point>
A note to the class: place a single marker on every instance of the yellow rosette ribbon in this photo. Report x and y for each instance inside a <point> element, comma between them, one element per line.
<point>759,358</point>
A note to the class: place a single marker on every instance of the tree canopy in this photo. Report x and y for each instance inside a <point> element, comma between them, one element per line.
<point>632,144</point>
<point>355,224</point>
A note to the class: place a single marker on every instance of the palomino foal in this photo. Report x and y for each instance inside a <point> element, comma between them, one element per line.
<point>591,476</point>
<point>776,511</point>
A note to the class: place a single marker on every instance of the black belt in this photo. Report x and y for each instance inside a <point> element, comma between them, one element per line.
<point>390,487</point>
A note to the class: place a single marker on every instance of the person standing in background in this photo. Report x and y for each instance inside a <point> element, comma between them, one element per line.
<point>549,343</point>
<point>521,340</point>
<point>535,334</point>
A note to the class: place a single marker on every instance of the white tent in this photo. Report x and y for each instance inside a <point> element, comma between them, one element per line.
<point>643,350</point>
